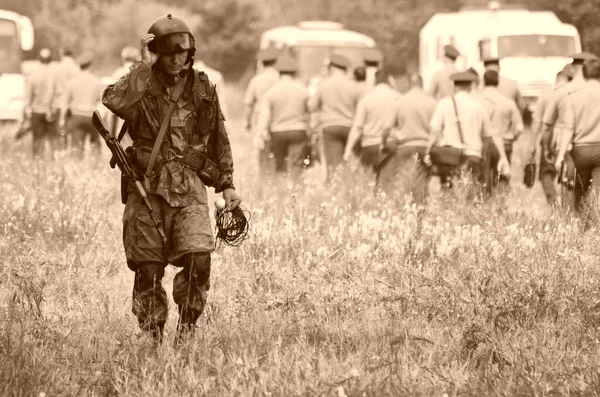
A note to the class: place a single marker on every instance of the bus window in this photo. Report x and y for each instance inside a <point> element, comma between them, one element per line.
<point>10,50</point>
<point>535,45</point>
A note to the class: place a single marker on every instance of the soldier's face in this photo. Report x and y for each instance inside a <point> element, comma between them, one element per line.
<point>174,63</point>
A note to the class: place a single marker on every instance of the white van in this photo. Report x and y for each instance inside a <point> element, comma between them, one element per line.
<point>16,36</point>
<point>312,42</point>
<point>532,45</point>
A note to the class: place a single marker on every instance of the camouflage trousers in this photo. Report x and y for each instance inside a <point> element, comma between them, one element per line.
<point>190,242</point>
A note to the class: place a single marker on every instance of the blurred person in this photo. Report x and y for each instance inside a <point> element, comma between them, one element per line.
<point>507,87</point>
<point>83,95</point>
<point>164,95</point>
<point>405,137</point>
<point>257,87</point>
<point>372,113</point>
<point>284,119</point>
<point>506,122</point>
<point>547,173</point>
<point>129,55</point>
<point>218,80</point>
<point>582,130</point>
<point>373,59</point>
<point>553,125</point>
<point>441,85</point>
<point>65,71</point>
<point>40,105</point>
<point>360,76</point>
<point>335,100</point>
<point>459,121</point>
<point>476,88</point>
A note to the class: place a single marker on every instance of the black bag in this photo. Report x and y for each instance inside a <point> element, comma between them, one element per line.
<point>448,155</point>
<point>445,155</point>
<point>529,175</point>
<point>568,172</point>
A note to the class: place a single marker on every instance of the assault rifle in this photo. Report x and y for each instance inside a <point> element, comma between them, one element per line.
<point>119,158</point>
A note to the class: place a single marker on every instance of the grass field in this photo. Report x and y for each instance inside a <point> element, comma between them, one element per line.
<point>336,293</point>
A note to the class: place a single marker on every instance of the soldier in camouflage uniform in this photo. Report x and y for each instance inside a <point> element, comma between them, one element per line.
<point>178,195</point>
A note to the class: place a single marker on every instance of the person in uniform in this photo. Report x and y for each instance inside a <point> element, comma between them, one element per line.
<point>507,87</point>
<point>547,173</point>
<point>129,55</point>
<point>476,88</point>
<point>441,86</point>
<point>582,130</point>
<point>405,137</point>
<point>284,116</point>
<point>462,122</point>
<point>552,119</point>
<point>360,76</point>
<point>257,87</point>
<point>506,122</point>
<point>218,80</point>
<point>335,99</point>
<point>40,104</point>
<point>176,191</point>
<point>372,114</point>
<point>64,71</point>
<point>82,97</point>
<point>373,59</point>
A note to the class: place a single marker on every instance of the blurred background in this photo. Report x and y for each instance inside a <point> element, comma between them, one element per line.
<point>228,31</point>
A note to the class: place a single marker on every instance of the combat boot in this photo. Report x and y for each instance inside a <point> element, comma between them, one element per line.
<point>186,325</point>
<point>155,330</point>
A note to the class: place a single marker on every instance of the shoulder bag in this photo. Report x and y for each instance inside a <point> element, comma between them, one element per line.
<point>448,155</point>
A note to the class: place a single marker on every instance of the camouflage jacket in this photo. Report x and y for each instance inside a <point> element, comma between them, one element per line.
<point>141,97</point>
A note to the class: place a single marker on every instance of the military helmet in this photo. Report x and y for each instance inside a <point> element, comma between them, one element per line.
<point>171,34</point>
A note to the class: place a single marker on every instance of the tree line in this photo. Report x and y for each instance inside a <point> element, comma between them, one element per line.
<point>228,31</point>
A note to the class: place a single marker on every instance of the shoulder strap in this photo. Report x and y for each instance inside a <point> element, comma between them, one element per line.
<point>175,94</point>
<point>458,121</point>
<point>123,130</point>
<point>493,108</point>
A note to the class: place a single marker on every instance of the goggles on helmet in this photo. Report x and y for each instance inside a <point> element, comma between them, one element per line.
<point>173,43</point>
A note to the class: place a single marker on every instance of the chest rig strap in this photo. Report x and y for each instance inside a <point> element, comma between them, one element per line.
<point>174,97</point>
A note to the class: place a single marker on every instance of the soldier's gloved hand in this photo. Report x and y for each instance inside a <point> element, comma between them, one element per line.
<point>427,159</point>
<point>148,57</point>
<point>232,200</point>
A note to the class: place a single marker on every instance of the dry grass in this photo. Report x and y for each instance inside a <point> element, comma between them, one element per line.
<point>336,293</point>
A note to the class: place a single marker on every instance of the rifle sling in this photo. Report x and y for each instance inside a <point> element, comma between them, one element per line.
<point>123,130</point>
<point>175,94</point>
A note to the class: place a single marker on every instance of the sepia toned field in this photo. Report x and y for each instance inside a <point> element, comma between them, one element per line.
<point>335,293</point>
